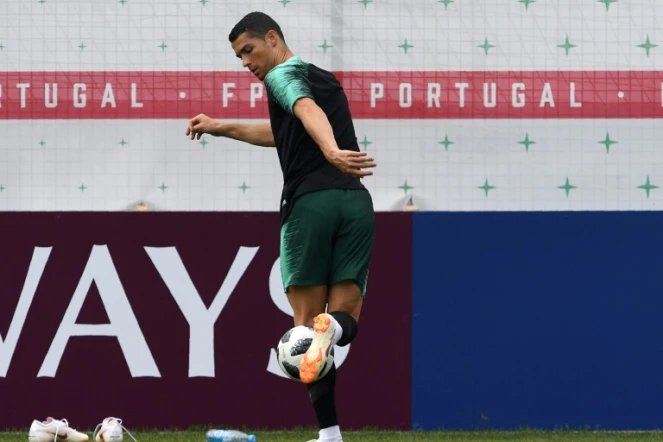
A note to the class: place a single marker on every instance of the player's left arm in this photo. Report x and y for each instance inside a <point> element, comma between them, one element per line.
<point>317,125</point>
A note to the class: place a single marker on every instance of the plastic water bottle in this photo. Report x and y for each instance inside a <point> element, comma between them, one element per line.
<point>229,436</point>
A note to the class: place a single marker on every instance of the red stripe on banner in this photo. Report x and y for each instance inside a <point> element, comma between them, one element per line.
<point>372,95</point>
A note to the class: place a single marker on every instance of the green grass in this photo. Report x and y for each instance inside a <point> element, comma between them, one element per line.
<point>390,436</point>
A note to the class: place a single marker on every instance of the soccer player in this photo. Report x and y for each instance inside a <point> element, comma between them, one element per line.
<point>326,213</point>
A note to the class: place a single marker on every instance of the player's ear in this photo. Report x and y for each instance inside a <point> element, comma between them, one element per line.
<point>272,38</point>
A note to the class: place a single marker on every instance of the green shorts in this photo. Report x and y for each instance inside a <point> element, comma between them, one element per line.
<point>328,238</point>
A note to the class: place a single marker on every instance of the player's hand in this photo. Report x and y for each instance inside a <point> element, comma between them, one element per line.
<point>351,162</point>
<point>202,124</point>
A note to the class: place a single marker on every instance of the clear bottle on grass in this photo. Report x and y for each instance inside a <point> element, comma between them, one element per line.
<point>228,436</point>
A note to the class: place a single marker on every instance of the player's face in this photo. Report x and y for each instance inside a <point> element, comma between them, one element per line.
<point>255,53</point>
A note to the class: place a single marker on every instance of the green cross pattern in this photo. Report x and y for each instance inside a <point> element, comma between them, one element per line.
<point>607,142</point>
<point>526,142</point>
<point>648,186</point>
<point>607,3</point>
<point>446,143</point>
<point>567,46</point>
<point>647,46</point>
<point>405,187</point>
<point>486,187</point>
<point>405,46</point>
<point>486,46</point>
<point>567,187</point>
<point>325,46</point>
<point>526,3</point>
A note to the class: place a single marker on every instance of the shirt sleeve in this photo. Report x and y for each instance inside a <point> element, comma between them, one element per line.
<point>288,82</point>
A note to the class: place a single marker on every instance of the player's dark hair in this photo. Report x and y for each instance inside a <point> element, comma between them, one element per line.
<point>256,24</point>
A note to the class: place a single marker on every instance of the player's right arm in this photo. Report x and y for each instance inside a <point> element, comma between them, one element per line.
<point>257,134</point>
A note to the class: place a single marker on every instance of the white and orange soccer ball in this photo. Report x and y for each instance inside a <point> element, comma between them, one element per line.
<point>291,349</point>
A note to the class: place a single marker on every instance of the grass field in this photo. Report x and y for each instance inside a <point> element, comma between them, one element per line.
<point>384,436</point>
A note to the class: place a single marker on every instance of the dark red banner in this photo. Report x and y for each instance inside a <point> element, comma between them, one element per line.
<point>170,320</point>
<point>372,95</point>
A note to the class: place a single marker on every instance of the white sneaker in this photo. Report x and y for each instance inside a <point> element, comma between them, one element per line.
<point>110,430</point>
<point>54,430</point>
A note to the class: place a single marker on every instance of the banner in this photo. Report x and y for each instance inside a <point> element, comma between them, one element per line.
<point>170,320</point>
<point>539,320</point>
<point>372,95</point>
<point>508,105</point>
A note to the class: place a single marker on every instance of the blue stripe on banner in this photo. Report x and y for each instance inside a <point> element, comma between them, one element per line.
<point>537,319</point>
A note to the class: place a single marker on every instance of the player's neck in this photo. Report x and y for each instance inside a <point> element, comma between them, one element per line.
<point>284,56</point>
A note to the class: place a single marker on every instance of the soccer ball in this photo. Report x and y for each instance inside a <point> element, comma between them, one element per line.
<point>292,347</point>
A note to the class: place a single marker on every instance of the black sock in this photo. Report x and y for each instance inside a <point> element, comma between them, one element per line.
<point>324,400</point>
<point>349,326</point>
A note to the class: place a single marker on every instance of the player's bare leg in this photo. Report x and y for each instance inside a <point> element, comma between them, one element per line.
<point>307,302</point>
<point>337,327</point>
<point>345,296</point>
